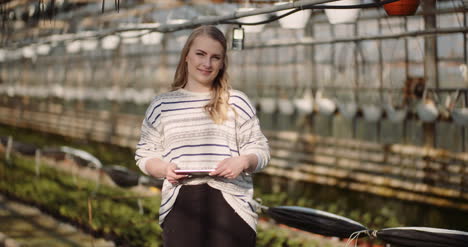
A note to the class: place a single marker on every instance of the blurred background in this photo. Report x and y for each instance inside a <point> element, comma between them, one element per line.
<point>365,112</point>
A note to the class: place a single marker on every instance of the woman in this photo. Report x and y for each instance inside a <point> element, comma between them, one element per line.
<point>203,124</point>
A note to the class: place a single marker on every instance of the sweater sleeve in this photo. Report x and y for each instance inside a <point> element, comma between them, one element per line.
<point>251,140</point>
<point>150,144</point>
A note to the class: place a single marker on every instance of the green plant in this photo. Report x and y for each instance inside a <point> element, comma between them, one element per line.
<point>115,212</point>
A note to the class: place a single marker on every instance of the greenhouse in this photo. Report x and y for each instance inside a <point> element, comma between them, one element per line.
<point>363,103</point>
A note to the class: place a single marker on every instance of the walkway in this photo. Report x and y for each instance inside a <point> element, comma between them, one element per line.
<point>29,226</point>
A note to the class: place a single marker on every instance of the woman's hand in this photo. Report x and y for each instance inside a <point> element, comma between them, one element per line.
<point>230,168</point>
<point>171,175</point>
<point>161,169</point>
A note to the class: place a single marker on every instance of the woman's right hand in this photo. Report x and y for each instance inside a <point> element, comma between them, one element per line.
<point>171,175</point>
<point>162,169</point>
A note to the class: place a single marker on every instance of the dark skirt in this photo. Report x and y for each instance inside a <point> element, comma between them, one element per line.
<point>202,218</point>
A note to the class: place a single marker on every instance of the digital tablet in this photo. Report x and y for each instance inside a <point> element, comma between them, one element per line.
<point>194,171</point>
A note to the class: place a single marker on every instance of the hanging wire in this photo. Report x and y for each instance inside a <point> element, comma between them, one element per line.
<point>261,22</point>
<point>303,7</point>
<point>222,19</point>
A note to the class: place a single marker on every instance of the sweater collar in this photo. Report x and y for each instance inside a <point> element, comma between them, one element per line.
<point>197,94</point>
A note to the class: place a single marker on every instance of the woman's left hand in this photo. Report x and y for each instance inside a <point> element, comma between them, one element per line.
<point>230,168</point>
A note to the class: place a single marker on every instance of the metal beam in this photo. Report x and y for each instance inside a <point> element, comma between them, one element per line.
<point>312,41</point>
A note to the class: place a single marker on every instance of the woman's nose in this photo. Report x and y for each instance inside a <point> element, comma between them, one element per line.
<point>207,62</point>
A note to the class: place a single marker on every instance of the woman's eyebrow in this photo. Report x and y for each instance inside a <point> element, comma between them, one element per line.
<point>215,54</point>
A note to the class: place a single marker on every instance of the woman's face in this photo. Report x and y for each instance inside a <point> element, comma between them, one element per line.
<point>204,61</point>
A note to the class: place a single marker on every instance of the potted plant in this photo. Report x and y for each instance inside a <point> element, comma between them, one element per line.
<point>73,46</point>
<point>338,16</point>
<point>252,19</point>
<point>325,106</point>
<point>394,114</point>
<point>42,49</point>
<point>286,106</point>
<point>297,20</point>
<point>372,113</point>
<point>305,104</point>
<point>426,109</point>
<point>348,109</point>
<point>110,42</point>
<point>459,114</point>
<point>268,105</point>
<point>401,7</point>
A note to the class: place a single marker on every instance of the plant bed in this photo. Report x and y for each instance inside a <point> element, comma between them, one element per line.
<point>115,214</point>
<point>106,153</point>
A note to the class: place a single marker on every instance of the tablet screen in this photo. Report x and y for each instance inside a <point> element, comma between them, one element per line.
<point>194,171</point>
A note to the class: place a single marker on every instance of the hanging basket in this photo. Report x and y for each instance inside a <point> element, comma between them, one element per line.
<point>297,20</point>
<point>73,47</point>
<point>43,49</point>
<point>339,16</point>
<point>460,116</point>
<point>267,105</point>
<point>89,44</point>
<point>426,109</point>
<point>402,7</point>
<point>131,37</point>
<point>29,51</point>
<point>153,38</point>
<point>427,112</point>
<point>395,115</point>
<point>326,106</point>
<point>305,105</point>
<point>286,106</point>
<point>252,19</point>
<point>372,113</point>
<point>110,42</point>
<point>348,109</point>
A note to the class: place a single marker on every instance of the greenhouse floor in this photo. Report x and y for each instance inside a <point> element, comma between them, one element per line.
<point>30,227</point>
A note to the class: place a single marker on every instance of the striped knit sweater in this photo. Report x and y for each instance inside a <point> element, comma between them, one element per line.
<point>177,129</point>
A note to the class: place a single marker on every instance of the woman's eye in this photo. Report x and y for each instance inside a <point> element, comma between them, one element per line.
<point>199,54</point>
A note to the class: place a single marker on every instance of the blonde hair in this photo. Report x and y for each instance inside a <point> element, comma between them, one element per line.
<point>218,106</point>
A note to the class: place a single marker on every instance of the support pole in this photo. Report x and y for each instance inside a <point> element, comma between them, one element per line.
<point>430,44</point>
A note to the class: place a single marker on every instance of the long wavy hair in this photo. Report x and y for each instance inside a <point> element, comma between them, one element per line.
<point>218,106</point>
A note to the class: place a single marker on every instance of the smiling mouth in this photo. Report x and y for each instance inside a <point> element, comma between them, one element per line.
<point>206,72</point>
